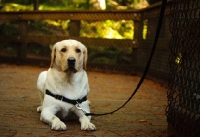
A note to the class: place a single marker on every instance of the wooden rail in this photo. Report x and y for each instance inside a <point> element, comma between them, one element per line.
<point>72,15</point>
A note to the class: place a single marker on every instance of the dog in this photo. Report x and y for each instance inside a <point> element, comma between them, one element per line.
<point>63,88</point>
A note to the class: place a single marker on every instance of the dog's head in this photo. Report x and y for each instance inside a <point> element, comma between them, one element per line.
<point>69,56</point>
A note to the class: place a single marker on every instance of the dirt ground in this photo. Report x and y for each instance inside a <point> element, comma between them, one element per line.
<point>143,116</point>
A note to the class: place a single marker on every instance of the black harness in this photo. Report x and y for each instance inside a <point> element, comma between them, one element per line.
<point>64,99</point>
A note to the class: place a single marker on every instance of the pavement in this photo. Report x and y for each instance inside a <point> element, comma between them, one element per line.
<point>143,116</point>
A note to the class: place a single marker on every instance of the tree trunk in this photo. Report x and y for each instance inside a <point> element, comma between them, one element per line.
<point>36,4</point>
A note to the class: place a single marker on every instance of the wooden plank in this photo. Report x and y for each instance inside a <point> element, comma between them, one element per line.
<point>71,15</point>
<point>46,40</point>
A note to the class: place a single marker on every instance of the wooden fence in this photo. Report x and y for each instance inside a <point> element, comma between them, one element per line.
<point>140,47</point>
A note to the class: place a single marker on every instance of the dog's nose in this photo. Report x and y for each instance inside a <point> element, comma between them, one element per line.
<point>71,60</point>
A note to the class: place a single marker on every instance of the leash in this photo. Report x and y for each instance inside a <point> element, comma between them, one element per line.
<point>160,20</point>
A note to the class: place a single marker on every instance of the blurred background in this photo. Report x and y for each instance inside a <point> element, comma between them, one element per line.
<point>113,31</point>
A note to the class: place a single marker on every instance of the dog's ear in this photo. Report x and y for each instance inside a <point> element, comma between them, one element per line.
<point>53,56</point>
<point>85,58</point>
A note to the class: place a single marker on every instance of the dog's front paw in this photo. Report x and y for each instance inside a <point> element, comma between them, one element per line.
<point>86,125</point>
<point>39,109</point>
<point>58,125</point>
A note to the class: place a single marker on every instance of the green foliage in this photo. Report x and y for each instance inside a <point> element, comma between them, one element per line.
<point>107,29</point>
<point>145,27</point>
<point>11,51</point>
<point>23,2</point>
<point>39,26</point>
<point>8,49</point>
<point>64,24</point>
<point>51,5</point>
<point>8,28</point>
<point>62,4</point>
<point>37,49</point>
<point>24,5</point>
<point>49,27</point>
<point>16,7</point>
<point>79,4</point>
<point>27,5</point>
<point>108,55</point>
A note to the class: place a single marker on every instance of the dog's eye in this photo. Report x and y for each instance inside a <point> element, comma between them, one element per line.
<point>63,49</point>
<point>78,50</point>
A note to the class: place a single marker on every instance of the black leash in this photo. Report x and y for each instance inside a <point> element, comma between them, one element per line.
<point>160,20</point>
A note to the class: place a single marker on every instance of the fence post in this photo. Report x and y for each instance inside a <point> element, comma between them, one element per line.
<point>22,35</point>
<point>138,28</point>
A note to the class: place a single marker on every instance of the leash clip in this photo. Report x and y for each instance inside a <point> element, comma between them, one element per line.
<point>79,108</point>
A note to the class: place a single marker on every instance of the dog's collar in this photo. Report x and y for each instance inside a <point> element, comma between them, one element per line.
<point>62,98</point>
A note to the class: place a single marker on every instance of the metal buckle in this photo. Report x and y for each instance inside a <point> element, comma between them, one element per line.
<point>79,108</point>
<point>61,98</point>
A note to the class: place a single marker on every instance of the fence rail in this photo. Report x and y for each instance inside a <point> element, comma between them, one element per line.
<point>72,15</point>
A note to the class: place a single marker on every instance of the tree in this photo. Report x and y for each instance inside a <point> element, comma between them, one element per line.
<point>24,2</point>
<point>153,1</point>
<point>36,4</point>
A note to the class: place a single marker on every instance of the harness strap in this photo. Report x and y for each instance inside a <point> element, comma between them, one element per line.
<point>64,99</point>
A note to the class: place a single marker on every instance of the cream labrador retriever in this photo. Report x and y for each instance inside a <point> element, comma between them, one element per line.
<point>64,87</point>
